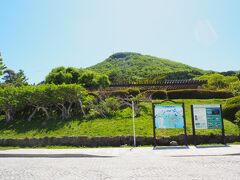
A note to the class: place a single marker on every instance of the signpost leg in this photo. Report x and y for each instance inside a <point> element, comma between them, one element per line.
<point>185,127</point>
<point>154,126</point>
<point>193,127</point>
<point>223,131</point>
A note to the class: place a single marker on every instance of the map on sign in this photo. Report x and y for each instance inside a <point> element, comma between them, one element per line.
<point>169,116</point>
<point>207,116</point>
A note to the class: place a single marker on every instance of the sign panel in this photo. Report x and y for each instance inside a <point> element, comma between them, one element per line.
<point>169,116</point>
<point>207,116</point>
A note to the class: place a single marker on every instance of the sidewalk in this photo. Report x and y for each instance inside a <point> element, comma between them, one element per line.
<point>142,163</point>
<point>170,151</point>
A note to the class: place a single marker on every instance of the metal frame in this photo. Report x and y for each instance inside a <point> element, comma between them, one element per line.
<point>154,125</point>
<point>194,130</point>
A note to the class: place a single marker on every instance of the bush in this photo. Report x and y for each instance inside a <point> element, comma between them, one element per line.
<point>159,95</point>
<point>154,94</point>
<point>198,94</point>
<point>133,91</point>
<point>231,107</point>
<point>47,99</point>
<point>119,93</point>
<point>237,118</point>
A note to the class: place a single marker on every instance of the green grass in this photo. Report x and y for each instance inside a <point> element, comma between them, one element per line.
<point>121,125</point>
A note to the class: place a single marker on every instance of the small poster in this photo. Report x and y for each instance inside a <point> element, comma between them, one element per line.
<point>207,116</point>
<point>169,116</point>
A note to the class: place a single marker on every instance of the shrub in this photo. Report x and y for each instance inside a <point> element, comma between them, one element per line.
<point>231,107</point>
<point>110,105</point>
<point>153,94</point>
<point>237,118</point>
<point>133,91</point>
<point>119,93</point>
<point>198,94</point>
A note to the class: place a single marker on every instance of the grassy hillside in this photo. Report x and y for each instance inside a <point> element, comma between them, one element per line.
<point>117,126</point>
<point>134,66</point>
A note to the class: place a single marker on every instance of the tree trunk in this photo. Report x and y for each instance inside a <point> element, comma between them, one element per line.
<point>81,106</point>
<point>9,116</point>
<point>46,112</point>
<point>63,110</point>
<point>33,114</point>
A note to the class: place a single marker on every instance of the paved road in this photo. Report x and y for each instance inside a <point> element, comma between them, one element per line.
<point>122,163</point>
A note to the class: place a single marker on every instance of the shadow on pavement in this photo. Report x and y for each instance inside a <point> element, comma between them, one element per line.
<point>208,155</point>
<point>213,146</point>
<point>52,156</point>
<point>170,147</point>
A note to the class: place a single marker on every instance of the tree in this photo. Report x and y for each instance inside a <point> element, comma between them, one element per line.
<point>64,97</point>
<point>238,75</point>
<point>90,79</point>
<point>62,75</point>
<point>235,88</point>
<point>11,101</point>
<point>2,66</point>
<point>103,81</point>
<point>16,79</point>
<point>218,81</point>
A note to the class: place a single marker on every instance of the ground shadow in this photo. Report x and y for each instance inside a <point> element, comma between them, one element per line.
<point>52,156</point>
<point>212,146</point>
<point>207,155</point>
<point>170,147</point>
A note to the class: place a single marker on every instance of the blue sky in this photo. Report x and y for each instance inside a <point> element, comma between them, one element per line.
<point>38,35</point>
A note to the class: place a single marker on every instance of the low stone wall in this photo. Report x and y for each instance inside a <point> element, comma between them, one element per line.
<point>111,141</point>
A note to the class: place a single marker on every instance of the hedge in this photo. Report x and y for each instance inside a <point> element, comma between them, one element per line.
<point>186,94</point>
<point>125,93</point>
<point>198,94</point>
<point>231,107</point>
<point>154,94</point>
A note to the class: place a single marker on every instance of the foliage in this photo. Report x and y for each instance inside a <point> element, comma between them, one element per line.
<point>235,88</point>
<point>90,79</point>
<point>62,75</point>
<point>2,66</point>
<point>198,94</point>
<point>231,106</point>
<point>11,101</point>
<point>237,118</point>
<point>185,94</point>
<point>16,79</point>
<point>70,75</point>
<point>110,106</point>
<point>119,125</point>
<point>180,75</point>
<point>133,66</point>
<point>133,92</point>
<point>218,81</point>
<point>238,75</point>
<point>229,73</point>
<point>46,100</point>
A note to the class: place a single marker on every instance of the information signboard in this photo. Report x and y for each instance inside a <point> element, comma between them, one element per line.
<point>169,116</point>
<point>207,116</point>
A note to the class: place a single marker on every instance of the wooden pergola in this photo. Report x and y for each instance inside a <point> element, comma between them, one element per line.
<point>158,85</point>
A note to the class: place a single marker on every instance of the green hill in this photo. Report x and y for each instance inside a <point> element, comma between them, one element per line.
<point>134,66</point>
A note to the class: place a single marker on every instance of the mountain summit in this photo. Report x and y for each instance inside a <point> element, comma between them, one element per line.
<point>129,66</point>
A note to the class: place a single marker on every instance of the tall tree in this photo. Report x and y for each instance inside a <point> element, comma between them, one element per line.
<point>16,79</point>
<point>2,66</point>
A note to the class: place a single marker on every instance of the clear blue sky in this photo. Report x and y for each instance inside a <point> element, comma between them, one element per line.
<point>38,35</point>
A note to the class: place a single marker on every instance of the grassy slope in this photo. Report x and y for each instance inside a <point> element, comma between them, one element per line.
<point>118,126</point>
<point>140,66</point>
